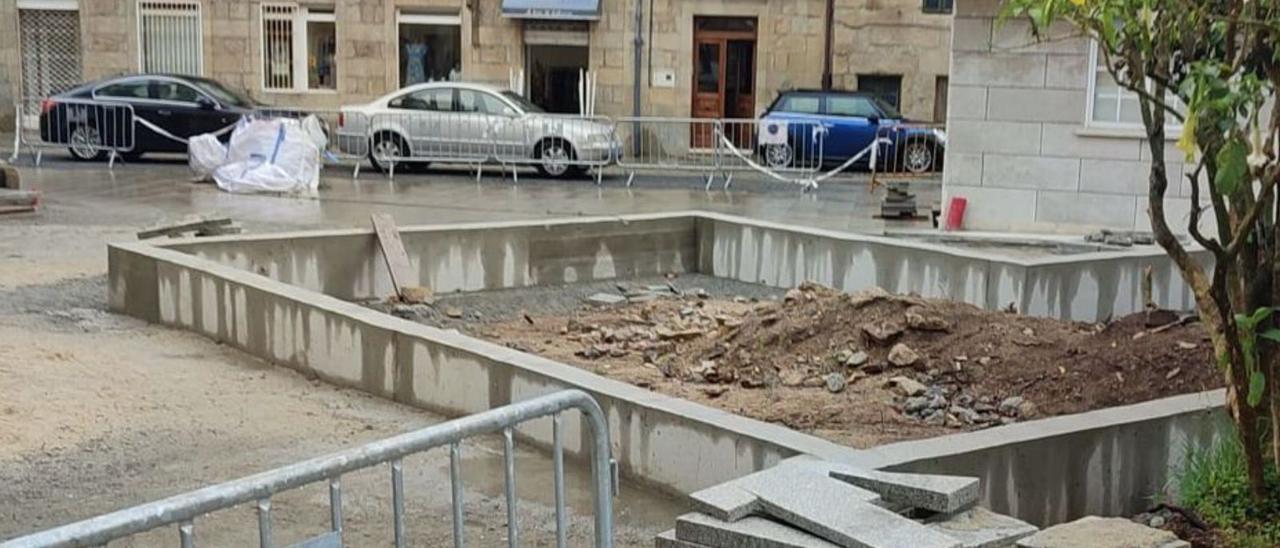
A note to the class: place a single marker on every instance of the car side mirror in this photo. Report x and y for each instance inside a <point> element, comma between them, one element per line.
<point>205,103</point>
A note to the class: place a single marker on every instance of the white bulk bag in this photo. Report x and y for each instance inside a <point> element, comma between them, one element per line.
<point>270,156</point>
<point>204,154</point>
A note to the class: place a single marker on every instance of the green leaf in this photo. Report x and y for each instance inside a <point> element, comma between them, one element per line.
<point>1272,335</point>
<point>1233,166</point>
<point>1257,385</point>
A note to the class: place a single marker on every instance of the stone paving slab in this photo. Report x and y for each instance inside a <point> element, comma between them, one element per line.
<point>982,528</point>
<point>750,532</point>
<point>1096,532</point>
<point>735,500</point>
<point>850,523</point>
<point>667,539</point>
<point>946,494</point>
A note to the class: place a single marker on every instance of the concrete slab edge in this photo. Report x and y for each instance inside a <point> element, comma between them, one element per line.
<point>898,454</point>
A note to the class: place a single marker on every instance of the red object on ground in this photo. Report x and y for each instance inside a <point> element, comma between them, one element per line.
<point>955,214</point>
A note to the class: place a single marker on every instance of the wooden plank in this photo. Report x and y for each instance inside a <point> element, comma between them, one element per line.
<point>16,209</point>
<point>23,198</point>
<point>393,250</point>
<point>185,225</point>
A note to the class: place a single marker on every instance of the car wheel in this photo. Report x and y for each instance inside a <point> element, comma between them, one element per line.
<point>386,150</point>
<point>556,159</point>
<point>85,144</point>
<point>918,156</point>
<point>779,155</point>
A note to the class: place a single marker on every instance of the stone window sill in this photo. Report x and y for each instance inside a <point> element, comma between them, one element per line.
<point>1170,134</point>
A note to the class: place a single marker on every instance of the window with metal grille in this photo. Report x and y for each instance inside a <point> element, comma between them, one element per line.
<point>939,6</point>
<point>169,37</point>
<point>49,41</point>
<point>299,48</point>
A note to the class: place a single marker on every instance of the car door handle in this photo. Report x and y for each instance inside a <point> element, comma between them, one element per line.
<point>164,112</point>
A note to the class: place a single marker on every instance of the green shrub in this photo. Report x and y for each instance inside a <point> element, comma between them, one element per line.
<point>1213,482</point>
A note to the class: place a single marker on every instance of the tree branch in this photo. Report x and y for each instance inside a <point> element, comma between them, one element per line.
<point>1193,226</point>
<point>1246,223</point>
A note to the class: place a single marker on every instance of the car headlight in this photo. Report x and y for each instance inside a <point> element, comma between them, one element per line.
<point>940,135</point>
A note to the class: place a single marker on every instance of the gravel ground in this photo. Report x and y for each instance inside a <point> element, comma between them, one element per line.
<point>101,411</point>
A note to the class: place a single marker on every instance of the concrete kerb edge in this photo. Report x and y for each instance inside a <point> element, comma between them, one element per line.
<point>907,452</point>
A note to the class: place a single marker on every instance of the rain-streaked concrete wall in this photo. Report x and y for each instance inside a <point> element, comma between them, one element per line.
<point>1083,287</point>
<point>283,298</point>
<point>1112,462</point>
<point>348,265</point>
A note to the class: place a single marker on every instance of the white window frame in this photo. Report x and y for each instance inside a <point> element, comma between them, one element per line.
<point>199,17</point>
<point>441,20</point>
<point>1089,122</point>
<point>298,18</point>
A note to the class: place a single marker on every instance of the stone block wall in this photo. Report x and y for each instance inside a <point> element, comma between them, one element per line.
<point>1019,149</point>
<point>871,36</point>
<point>10,65</point>
<point>891,37</point>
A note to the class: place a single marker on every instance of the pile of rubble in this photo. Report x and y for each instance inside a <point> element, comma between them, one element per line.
<point>818,359</point>
<point>944,405</point>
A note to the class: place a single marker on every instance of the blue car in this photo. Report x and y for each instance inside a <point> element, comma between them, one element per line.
<point>831,127</point>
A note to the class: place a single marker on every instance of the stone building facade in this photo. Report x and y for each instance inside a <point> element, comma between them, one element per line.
<point>1041,139</point>
<point>780,43</point>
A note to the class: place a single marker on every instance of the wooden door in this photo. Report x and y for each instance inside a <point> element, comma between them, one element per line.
<point>723,77</point>
<point>708,88</point>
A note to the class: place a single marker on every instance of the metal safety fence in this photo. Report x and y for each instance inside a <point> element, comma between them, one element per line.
<point>792,150</point>
<point>89,130</point>
<point>556,145</point>
<point>909,152</point>
<point>183,510</point>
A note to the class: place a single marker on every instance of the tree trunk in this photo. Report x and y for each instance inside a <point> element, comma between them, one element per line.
<point>1273,383</point>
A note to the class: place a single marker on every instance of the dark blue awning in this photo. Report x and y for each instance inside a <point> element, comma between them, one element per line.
<point>552,9</point>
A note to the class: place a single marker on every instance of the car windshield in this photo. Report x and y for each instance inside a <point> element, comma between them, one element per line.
<point>890,113</point>
<point>521,102</point>
<point>223,94</point>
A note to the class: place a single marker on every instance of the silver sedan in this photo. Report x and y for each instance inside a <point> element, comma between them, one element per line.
<point>454,122</point>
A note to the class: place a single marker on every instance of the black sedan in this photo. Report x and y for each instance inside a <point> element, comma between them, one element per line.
<point>141,113</point>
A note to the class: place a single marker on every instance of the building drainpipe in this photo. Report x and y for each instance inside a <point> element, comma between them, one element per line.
<point>828,44</point>
<point>637,75</point>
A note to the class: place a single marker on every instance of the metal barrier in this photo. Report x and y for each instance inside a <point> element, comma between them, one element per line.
<point>909,151</point>
<point>185,508</point>
<point>90,130</point>
<point>669,144</point>
<point>791,151</point>
<point>557,145</point>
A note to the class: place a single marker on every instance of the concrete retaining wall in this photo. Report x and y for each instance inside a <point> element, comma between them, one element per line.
<point>347,264</point>
<point>1083,287</point>
<point>296,315</point>
<point>673,444</point>
<point>1116,461</point>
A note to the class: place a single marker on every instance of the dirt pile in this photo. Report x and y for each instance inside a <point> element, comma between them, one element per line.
<point>827,361</point>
